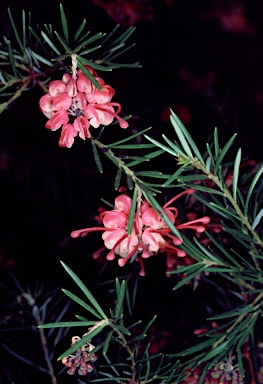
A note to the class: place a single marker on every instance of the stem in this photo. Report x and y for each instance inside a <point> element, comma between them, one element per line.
<point>43,339</point>
<point>116,160</point>
<point>129,351</point>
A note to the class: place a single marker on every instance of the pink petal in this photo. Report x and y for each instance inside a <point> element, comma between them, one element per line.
<point>67,136</point>
<point>56,87</point>
<point>57,120</point>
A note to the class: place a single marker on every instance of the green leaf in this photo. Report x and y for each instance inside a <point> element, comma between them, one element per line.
<point>200,187</point>
<point>41,58</point>
<point>122,329</point>
<point>146,158</point>
<point>149,325</point>
<point>85,290</point>
<point>239,234</point>
<point>211,158</point>
<point>196,348</point>
<point>63,43</point>
<point>223,153</point>
<point>214,352</point>
<point>117,180</point>
<point>96,157</point>
<point>129,138</point>
<point>129,181</point>
<point>37,37</point>
<point>132,211</point>
<point>80,29</point>
<point>11,58</point>
<point>257,219</point>
<point>94,65</point>
<point>180,134</point>
<point>132,146</point>
<point>175,175</point>
<point>236,172</point>
<point>156,143</point>
<point>81,302</point>
<point>15,31</point>
<point>216,143</point>
<point>177,149</point>
<point>64,24</point>
<point>206,252</point>
<point>68,324</point>
<point>49,42</point>
<point>120,297</point>
<point>252,186</point>
<point>188,137</point>
<point>190,277</point>
<point>107,342</point>
<point>224,212</point>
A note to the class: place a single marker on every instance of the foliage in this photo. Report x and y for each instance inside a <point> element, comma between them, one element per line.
<point>221,204</point>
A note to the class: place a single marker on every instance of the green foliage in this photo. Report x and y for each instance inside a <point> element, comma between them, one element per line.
<point>38,54</point>
<point>229,253</point>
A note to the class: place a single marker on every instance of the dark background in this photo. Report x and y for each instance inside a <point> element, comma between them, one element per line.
<point>203,59</point>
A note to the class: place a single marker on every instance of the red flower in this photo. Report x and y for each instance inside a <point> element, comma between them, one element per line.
<point>75,104</point>
<point>150,233</point>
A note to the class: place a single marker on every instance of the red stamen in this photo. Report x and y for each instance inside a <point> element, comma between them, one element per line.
<point>85,231</point>
<point>122,261</point>
<point>178,251</point>
<point>188,191</point>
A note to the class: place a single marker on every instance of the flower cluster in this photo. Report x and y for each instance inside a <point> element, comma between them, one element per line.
<point>75,104</point>
<point>219,374</point>
<point>80,358</point>
<point>150,233</point>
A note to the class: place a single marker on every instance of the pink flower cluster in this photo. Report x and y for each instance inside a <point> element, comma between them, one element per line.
<point>75,104</point>
<point>150,233</point>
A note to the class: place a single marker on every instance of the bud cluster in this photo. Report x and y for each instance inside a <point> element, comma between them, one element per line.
<point>80,359</point>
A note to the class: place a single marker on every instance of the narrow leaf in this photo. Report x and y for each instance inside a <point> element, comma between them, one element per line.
<point>257,219</point>
<point>64,23</point>
<point>129,138</point>
<point>63,43</point>
<point>177,149</point>
<point>181,136</point>
<point>107,342</point>
<point>68,324</point>
<point>49,42</point>
<point>80,29</point>
<point>11,58</point>
<point>132,211</point>
<point>15,31</point>
<point>84,290</point>
<point>117,180</point>
<point>42,59</point>
<point>251,188</point>
<point>175,176</point>
<point>190,277</point>
<point>236,173</point>
<point>81,302</point>
<point>96,157</point>
<point>120,298</point>
<point>223,153</point>
<point>188,137</point>
<point>166,149</point>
